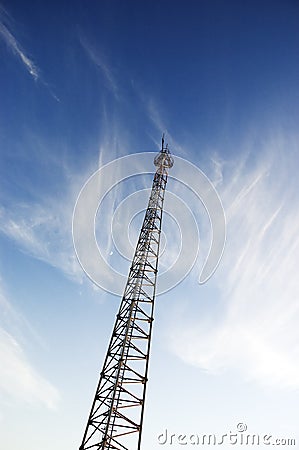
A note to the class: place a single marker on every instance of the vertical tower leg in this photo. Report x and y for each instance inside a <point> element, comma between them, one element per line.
<point>116,416</point>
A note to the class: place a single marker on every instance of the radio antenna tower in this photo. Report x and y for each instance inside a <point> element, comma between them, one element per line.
<point>116,416</point>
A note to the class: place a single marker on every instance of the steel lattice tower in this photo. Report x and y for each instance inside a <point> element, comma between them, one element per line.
<point>116,417</point>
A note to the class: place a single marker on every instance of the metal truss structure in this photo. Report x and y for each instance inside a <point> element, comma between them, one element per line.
<point>116,417</point>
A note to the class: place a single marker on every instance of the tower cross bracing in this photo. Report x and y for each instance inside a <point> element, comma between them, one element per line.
<point>116,417</point>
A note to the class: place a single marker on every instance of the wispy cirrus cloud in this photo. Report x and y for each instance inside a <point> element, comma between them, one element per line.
<point>16,48</point>
<point>19,380</point>
<point>100,61</point>
<point>44,232</point>
<point>155,115</point>
<point>254,331</point>
<point>42,227</point>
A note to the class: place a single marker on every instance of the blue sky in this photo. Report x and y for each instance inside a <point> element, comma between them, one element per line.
<point>83,83</point>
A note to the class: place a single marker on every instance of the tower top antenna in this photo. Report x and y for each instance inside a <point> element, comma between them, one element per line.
<point>164,158</point>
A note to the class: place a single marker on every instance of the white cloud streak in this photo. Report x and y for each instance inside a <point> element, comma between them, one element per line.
<point>42,228</point>
<point>17,50</point>
<point>154,114</point>
<point>44,232</point>
<point>18,379</point>
<point>255,329</point>
<point>100,62</point>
